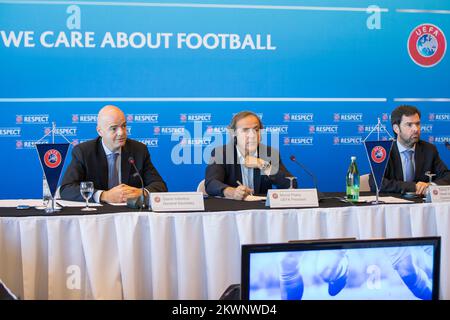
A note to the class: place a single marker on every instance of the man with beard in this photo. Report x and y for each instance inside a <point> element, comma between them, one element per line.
<point>411,157</point>
<point>245,166</point>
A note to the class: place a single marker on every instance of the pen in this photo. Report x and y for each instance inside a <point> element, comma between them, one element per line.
<point>240,184</point>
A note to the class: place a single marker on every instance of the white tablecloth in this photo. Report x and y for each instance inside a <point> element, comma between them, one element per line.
<point>183,255</point>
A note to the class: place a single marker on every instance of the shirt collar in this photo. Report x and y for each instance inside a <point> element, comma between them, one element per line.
<point>242,158</point>
<point>401,148</point>
<point>108,152</point>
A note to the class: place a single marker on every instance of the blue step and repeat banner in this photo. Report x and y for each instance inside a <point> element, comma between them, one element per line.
<point>319,73</point>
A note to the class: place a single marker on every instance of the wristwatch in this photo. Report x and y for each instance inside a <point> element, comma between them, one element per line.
<point>265,165</point>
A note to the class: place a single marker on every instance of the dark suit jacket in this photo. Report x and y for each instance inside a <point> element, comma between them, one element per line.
<point>89,163</point>
<point>426,158</point>
<point>224,171</point>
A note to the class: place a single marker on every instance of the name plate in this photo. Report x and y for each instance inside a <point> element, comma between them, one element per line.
<point>177,201</point>
<point>292,198</point>
<point>439,193</point>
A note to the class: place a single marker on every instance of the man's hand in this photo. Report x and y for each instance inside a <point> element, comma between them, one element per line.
<point>253,162</point>
<point>238,193</point>
<point>421,187</point>
<point>120,193</point>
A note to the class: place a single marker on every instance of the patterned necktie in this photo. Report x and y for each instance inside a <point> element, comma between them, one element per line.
<point>113,175</point>
<point>409,168</point>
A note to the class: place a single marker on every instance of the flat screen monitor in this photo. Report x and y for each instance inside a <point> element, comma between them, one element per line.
<point>385,269</point>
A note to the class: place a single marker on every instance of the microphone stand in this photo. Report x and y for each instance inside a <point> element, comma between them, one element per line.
<point>142,196</point>
<point>319,194</point>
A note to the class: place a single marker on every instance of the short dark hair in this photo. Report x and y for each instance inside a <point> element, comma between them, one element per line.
<point>404,110</point>
<point>241,115</point>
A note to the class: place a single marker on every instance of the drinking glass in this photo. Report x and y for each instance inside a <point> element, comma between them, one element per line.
<point>430,176</point>
<point>291,182</point>
<point>87,190</point>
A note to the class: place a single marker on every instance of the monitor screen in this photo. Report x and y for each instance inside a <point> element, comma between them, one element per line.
<point>342,269</point>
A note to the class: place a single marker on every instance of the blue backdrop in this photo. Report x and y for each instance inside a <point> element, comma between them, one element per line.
<point>320,73</point>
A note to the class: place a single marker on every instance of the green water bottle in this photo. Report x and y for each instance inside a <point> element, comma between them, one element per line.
<point>352,179</point>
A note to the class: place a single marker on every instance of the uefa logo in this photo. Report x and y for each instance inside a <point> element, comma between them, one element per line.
<point>52,158</point>
<point>426,45</point>
<point>337,117</point>
<point>360,128</point>
<point>378,154</point>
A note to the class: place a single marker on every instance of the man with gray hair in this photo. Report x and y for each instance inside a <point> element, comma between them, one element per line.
<point>245,166</point>
<point>106,161</point>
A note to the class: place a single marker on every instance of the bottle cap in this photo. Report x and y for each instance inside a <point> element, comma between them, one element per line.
<point>353,158</point>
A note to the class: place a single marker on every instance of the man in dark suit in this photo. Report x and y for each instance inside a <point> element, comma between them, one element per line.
<point>244,166</point>
<point>106,162</point>
<point>411,157</point>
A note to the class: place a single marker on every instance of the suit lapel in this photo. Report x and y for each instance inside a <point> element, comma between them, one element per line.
<point>418,160</point>
<point>398,168</point>
<point>102,165</point>
<point>125,165</point>
<point>257,172</point>
<point>257,180</point>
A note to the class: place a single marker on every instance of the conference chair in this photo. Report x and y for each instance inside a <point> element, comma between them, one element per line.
<point>201,187</point>
<point>5,292</point>
<point>364,183</point>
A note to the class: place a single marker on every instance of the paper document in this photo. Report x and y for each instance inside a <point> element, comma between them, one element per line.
<point>76,204</point>
<point>383,199</point>
<point>16,202</point>
<point>254,198</point>
<point>40,203</point>
<point>118,204</point>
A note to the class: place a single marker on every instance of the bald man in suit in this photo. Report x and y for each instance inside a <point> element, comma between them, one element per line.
<point>105,162</point>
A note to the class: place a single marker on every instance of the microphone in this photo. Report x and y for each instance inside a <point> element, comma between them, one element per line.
<point>447,145</point>
<point>293,159</point>
<point>138,202</point>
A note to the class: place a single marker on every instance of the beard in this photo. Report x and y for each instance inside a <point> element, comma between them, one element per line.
<point>411,140</point>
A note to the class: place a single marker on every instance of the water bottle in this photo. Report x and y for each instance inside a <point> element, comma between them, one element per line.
<point>353,181</point>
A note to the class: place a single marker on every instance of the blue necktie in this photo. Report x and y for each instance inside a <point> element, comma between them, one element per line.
<point>113,175</point>
<point>409,168</point>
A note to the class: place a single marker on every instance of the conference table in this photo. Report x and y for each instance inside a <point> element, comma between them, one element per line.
<point>122,253</point>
